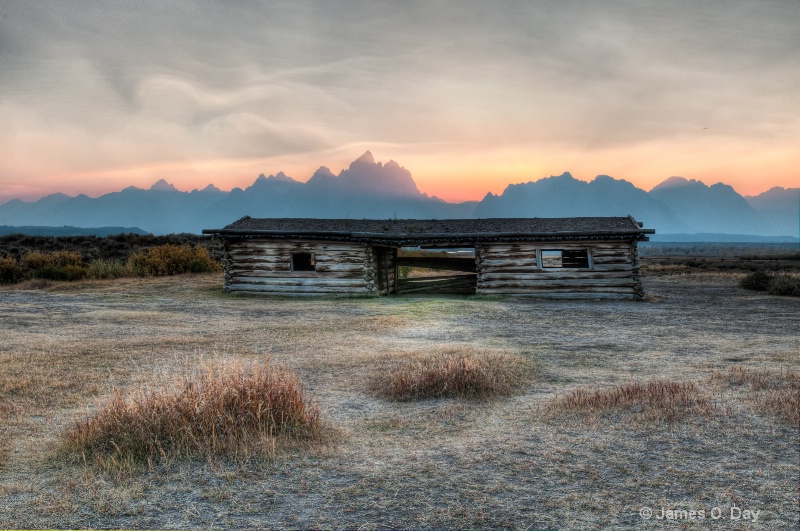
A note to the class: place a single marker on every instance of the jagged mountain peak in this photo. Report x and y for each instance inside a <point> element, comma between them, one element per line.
<point>280,176</point>
<point>370,189</point>
<point>368,177</point>
<point>675,182</point>
<point>163,186</point>
<point>366,158</point>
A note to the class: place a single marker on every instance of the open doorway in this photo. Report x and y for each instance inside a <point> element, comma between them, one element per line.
<point>449,270</point>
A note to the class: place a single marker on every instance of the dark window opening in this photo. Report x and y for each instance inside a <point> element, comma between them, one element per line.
<point>303,262</point>
<point>565,258</point>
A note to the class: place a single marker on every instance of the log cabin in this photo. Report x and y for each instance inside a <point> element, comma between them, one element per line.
<point>569,258</point>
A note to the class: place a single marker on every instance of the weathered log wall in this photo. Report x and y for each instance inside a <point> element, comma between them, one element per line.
<point>516,268</point>
<point>265,266</point>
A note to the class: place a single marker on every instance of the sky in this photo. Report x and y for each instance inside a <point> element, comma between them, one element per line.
<point>469,96</point>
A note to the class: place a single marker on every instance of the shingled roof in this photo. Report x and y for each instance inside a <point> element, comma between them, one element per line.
<point>409,231</point>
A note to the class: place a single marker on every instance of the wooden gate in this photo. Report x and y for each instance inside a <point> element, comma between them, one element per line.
<point>458,275</point>
<point>457,284</point>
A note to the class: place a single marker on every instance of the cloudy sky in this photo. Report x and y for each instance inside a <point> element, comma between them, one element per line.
<point>468,96</point>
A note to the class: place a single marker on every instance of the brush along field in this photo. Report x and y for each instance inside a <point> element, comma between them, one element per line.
<point>686,402</point>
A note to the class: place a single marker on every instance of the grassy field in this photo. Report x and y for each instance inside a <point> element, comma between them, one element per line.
<point>687,401</point>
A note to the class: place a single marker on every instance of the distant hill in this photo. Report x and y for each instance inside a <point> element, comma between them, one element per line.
<point>780,207</point>
<point>563,195</point>
<point>369,189</point>
<point>717,208</point>
<point>69,231</point>
<point>722,238</point>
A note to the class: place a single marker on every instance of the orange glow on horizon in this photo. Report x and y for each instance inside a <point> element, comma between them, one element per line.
<point>453,177</point>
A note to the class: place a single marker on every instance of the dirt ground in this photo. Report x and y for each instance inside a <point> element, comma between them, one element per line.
<point>502,463</point>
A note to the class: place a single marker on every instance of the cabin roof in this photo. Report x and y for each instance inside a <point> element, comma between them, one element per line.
<point>408,231</point>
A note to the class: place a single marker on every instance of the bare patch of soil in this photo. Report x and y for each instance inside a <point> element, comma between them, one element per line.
<point>443,463</point>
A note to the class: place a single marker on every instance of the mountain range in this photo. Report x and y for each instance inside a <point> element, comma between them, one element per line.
<point>369,189</point>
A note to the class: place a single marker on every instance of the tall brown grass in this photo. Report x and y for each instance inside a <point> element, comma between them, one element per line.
<point>451,372</point>
<point>231,411</point>
<point>654,401</point>
<point>773,392</point>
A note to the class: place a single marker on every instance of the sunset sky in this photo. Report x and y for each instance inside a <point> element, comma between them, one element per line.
<point>468,96</point>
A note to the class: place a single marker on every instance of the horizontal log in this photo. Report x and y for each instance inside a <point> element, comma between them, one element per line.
<point>436,287</point>
<point>496,248</point>
<point>611,252</point>
<point>494,262</point>
<point>297,246</point>
<point>560,283</point>
<point>612,261</point>
<point>440,277</point>
<point>548,275</point>
<point>286,266</point>
<point>557,271</point>
<point>330,282</point>
<point>609,267</point>
<point>287,259</point>
<point>297,274</point>
<point>531,258</point>
<point>264,290</point>
<point>567,296</point>
<point>448,264</point>
<point>424,285</point>
<point>296,289</point>
<point>584,289</point>
<point>447,290</point>
<point>359,268</point>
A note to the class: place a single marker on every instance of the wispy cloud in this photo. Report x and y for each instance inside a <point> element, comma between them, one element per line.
<point>111,86</point>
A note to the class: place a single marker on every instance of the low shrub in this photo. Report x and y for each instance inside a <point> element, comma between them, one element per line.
<point>773,283</point>
<point>787,285</point>
<point>659,400</point>
<point>102,269</point>
<point>228,411</point>
<point>172,259</point>
<point>756,281</point>
<point>452,372</point>
<point>10,270</point>
<point>57,265</point>
<point>36,260</point>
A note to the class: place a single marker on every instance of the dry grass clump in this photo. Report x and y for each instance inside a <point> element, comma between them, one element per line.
<point>774,393</point>
<point>654,401</point>
<point>453,372</point>
<point>230,411</point>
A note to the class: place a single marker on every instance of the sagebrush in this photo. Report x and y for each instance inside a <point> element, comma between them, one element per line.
<point>169,259</point>
<point>786,284</point>
<point>172,259</point>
